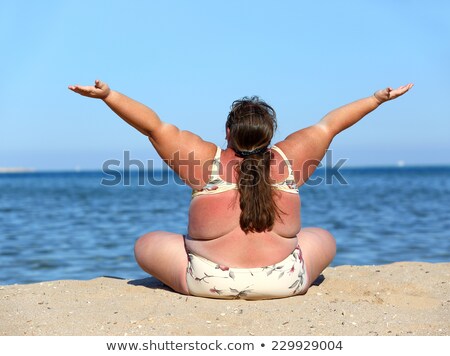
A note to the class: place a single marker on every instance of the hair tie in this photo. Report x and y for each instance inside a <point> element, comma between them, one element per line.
<point>244,154</point>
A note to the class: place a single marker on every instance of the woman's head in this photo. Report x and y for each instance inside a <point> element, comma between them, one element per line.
<point>251,125</point>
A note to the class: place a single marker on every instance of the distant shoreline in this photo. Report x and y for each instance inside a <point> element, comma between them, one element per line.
<point>11,170</point>
<point>16,170</point>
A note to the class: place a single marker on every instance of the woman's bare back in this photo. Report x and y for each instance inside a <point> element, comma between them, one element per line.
<point>214,231</point>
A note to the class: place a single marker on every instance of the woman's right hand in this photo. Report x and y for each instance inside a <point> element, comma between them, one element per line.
<point>98,91</point>
<point>389,93</point>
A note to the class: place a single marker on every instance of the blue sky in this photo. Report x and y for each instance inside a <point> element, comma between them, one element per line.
<point>189,60</point>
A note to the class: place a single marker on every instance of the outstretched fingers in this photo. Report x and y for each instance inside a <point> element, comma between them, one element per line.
<point>99,90</point>
<point>389,93</point>
<point>73,87</point>
<point>83,90</point>
<point>400,90</point>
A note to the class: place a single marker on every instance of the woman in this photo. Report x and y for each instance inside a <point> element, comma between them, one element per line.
<point>244,238</point>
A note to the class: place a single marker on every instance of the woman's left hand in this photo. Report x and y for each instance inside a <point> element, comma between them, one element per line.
<point>390,94</point>
<point>98,91</point>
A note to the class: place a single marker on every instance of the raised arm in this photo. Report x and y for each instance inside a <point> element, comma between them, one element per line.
<point>186,153</point>
<point>308,146</point>
<point>342,118</point>
<point>141,117</point>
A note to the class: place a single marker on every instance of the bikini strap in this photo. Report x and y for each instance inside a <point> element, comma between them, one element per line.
<point>288,163</point>
<point>215,165</point>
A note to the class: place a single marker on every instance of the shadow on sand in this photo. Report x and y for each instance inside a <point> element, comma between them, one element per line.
<point>149,282</point>
<point>318,281</point>
<point>153,283</point>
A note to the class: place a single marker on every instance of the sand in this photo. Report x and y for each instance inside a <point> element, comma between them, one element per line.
<point>404,298</point>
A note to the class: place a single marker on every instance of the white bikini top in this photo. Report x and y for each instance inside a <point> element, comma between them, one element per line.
<point>217,185</point>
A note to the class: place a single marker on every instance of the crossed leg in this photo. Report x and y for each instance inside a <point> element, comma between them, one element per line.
<point>318,250</point>
<point>163,255</point>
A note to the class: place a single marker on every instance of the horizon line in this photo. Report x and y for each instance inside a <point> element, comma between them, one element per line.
<point>30,170</point>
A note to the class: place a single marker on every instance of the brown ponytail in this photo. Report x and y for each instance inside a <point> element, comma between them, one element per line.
<point>252,123</point>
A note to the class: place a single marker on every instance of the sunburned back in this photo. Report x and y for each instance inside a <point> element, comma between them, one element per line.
<point>215,233</point>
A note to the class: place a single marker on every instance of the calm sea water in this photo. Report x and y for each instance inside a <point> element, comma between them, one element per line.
<point>70,226</point>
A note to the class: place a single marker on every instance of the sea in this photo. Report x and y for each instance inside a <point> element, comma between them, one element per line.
<point>82,225</point>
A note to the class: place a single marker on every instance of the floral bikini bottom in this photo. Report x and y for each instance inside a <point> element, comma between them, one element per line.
<point>211,280</point>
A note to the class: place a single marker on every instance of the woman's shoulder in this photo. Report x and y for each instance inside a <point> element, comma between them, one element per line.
<point>285,150</point>
<point>305,149</point>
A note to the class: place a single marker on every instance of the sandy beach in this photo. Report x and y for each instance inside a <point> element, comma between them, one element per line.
<point>404,298</point>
